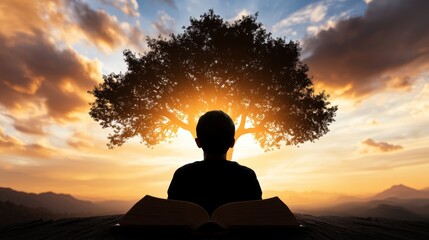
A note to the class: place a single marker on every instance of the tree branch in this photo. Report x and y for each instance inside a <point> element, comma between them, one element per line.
<point>242,131</point>
<point>174,119</point>
<point>240,127</point>
<point>245,131</point>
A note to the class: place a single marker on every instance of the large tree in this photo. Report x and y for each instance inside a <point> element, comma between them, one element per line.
<point>237,67</point>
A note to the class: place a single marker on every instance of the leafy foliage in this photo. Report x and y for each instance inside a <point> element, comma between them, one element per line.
<point>237,67</point>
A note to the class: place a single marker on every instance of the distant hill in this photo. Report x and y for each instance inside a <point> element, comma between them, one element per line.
<point>302,200</point>
<point>59,203</point>
<point>403,192</point>
<point>395,212</point>
<point>378,209</point>
<point>115,207</point>
<point>63,203</point>
<point>13,213</point>
<point>397,202</point>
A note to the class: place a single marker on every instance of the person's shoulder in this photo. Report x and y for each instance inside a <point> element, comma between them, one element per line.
<point>241,167</point>
<point>189,166</point>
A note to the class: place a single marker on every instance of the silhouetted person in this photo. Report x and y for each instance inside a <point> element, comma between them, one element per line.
<point>215,180</point>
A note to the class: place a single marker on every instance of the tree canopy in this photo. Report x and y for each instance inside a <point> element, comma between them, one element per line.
<point>237,67</point>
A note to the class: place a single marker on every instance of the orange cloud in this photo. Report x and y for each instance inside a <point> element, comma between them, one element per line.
<point>81,140</point>
<point>379,146</point>
<point>102,29</point>
<point>382,49</point>
<point>39,74</point>
<point>39,80</point>
<point>24,16</point>
<point>14,146</point>
<point>34,70</point>
<point>97,25</point>
<point>7,141</point>
<point>32,126</point>
<point>70,21</point>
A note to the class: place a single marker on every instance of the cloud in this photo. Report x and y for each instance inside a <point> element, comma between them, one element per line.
<point>312,13</point>
<point>41,77</point>
<point>379,146</point>
<point>331,22</point>
<point>26,16</point>
<point>100,27</point>
<point>103,30</point>
<point>420,103</point>
<point>7,141</point>
<point>383,49</point>
<point>33,126</point>
<point>240,14</point>
<point>164,25</point>
<point>70,21</point>
<point>35,72</point>
<point>129,7</point>
<point>81,140</point>
<point>16,147</point>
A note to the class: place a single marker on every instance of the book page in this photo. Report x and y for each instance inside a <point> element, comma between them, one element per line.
<point>270,212</point>
<point>157,212</point>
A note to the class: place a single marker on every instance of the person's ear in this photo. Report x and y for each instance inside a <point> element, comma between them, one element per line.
<point>198,142</point>
<point>233,142</point>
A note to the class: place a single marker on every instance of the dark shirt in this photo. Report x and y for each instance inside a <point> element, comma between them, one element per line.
<point>212,183</point>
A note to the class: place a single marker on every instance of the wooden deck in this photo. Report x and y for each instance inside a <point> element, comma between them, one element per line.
<point>319,228</point>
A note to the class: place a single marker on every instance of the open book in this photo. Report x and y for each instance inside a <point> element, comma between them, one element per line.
<point>157,213</point>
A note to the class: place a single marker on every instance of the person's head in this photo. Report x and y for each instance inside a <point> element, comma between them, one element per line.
<point>215,132</point>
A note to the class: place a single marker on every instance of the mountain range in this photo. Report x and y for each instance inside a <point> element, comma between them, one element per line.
<point>402,192</point>
<point>398,202</point>
<point>26,206</point>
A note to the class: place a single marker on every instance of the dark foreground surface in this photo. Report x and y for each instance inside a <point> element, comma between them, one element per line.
<point>315,228</point>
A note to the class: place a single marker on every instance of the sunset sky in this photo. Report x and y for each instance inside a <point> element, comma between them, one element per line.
<point>372,57</point>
